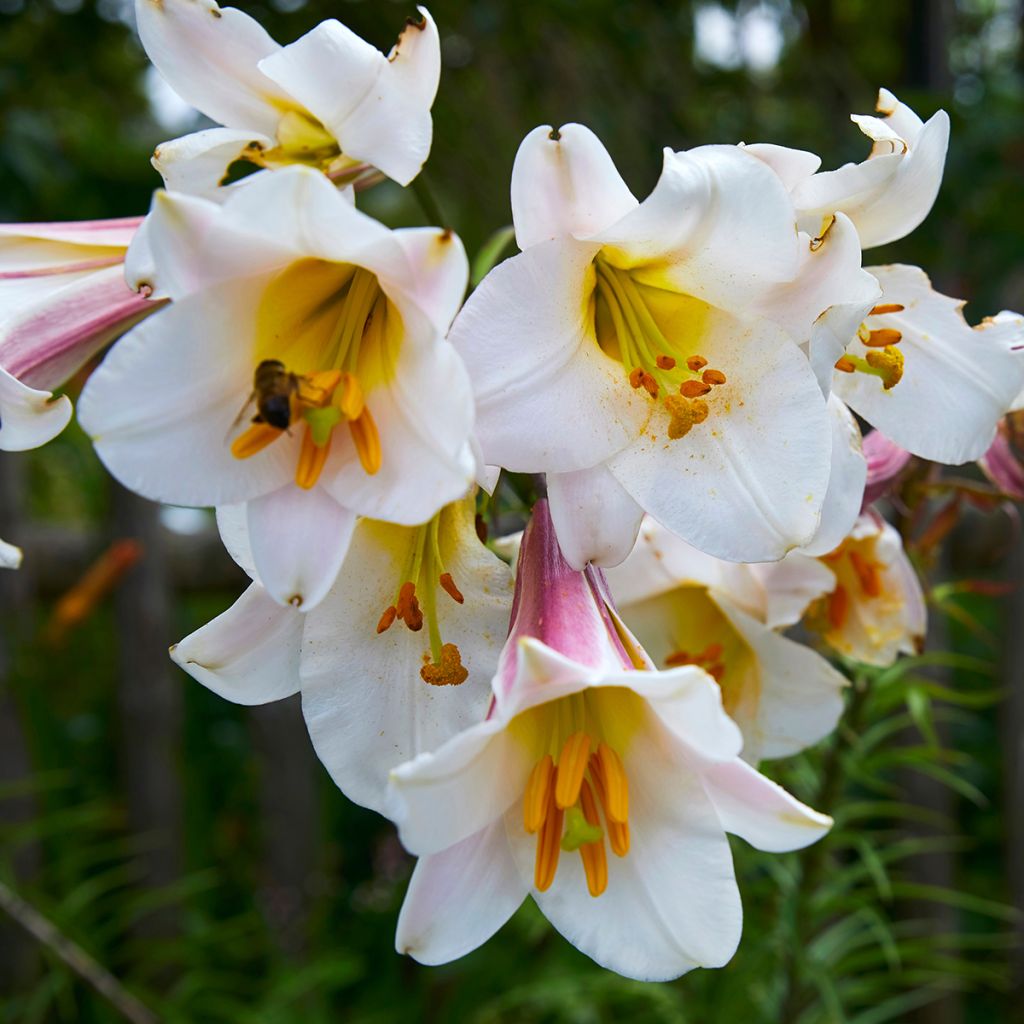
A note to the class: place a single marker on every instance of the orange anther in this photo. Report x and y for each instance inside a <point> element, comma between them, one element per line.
<point>712,652</point>
<point>699,410</point>
<point>408,607</point>
<point>595,860</point>
<point>537,796</point>
<point>888,307</point>
<point>713,377</point>
<point>838,607</point>
<point>616,784</point>
<point>693,388</point>
<point>845,365</point>
<point>548,846</point>
<point>254,440</point>
<point>867,574</point>
<point>389,616</point>
<point>572,763</point>
<point>312,458</point>
<point>636,376</point>
<point>665,363</point>
<point>881,338</point>
<point>696,363</point>
<point>448,670</point>
<point>650,385</point>
<point>367,441</point>
<point>618,832</point>
<point>350,399</point>
<point>677,658</point>
<point>448,584</point>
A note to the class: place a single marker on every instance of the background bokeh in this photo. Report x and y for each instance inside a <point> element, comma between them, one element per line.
<point>198,851</point>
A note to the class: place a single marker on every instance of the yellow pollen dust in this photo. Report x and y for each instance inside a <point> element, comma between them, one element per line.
<point>416,604</point>
<point>656,361</point>
<point>344,333</point>
<point>573,800</point>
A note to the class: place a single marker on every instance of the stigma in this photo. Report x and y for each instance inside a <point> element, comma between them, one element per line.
<point>575,799</point>
<point>664,367</point>
<point>416,605</point>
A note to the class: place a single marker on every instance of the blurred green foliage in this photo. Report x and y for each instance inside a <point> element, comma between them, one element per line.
<point>77,127</point>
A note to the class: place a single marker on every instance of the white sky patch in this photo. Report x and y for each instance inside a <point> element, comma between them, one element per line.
<point>169,110</point>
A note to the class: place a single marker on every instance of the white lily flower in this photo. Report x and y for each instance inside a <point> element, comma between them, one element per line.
<point>395,660</point>
<point>687,608</point>
<point>890,193</point>
<point>587,748</point>
<point>62,299</point>
<point>920,374</point>
<point>289,303</point>
<point>647,356</point>
<point>329,100</point>
<point>875,609</point>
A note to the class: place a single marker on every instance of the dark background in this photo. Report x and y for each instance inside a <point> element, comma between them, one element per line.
<point>197,850</point>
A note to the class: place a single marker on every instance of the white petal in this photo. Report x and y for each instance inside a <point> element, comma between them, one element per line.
<point>800,698</point>
<point>548,399</point>
<point>29,418</point>
<point>10,556</point>
<point>719,225</point>
<point>458,898</point>
<point>790,586</point>
<point>761,812</point>
<point>248,654</point>
<point>299,539</point>
<point>890,193</point>
<point>377,108</point>
<point>59,242</point>
<point>846,482</point>
<point>957,381</point>
<point>209,57</point>
<point>672,903</point>
<point>748,483</point>
<point>160,407</point>
<point>791,165</point>
<point>440,799</point>
<point>439,272</point>
<point>565,183</point>
<point>197,164</point>
<point>233,526</point>
<point>365,703</point>
<point>595,519</point>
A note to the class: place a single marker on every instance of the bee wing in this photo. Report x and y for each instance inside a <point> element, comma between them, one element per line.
<point>250,403</point>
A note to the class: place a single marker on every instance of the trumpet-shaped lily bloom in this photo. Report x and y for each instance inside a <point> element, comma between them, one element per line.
<point>63,298</point>
<point>875,610</point>
<point>301,368</point>
<point>637,353</point>
<point>395,660</point>
<point>920,374</point>
<point>686,608</point>
<point>599,786</point>
<point>329,100</point>
<point>885,462</point>
<point>890,193</point>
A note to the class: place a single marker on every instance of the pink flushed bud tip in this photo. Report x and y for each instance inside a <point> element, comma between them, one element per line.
<point>1001,465</point>
<point>886,461</point>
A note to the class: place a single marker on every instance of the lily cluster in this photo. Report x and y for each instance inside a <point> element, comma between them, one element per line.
<point>689,372</point>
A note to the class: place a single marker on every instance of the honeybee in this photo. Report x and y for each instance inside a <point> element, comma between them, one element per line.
<point>273,386</point>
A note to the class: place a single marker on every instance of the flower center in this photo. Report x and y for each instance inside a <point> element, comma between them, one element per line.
<point>858,577</point>
<point>663,363</point>
<point>882,358</point>
<point>576,794</point>
<point>333,335</point>
<point>416,602</point>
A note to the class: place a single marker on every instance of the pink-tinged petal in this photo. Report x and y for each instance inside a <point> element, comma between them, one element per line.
<point>791,165</point>
<point>198,163</point>
<point>957,381</point>
<point>10,556</point>
<point>1002,466</point>
<point>29,418</point>
<point>763,813</point>
<point>799,698</point>
<point>719,225</point>
<point>548,398</point>
<point>438,272</point>
<point>248,654</point>
<point>377,107</point>
<point>885,463</point>
<point>209,56</point>
<point>49,340</point>
<point>672,903</point>
<point>845,493</point>
<point>299,539</point>
<point>458,898</point>
<point>18,241</point>
<point>595,519</point>
<point>748,483</point>
<point>565,183</point>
